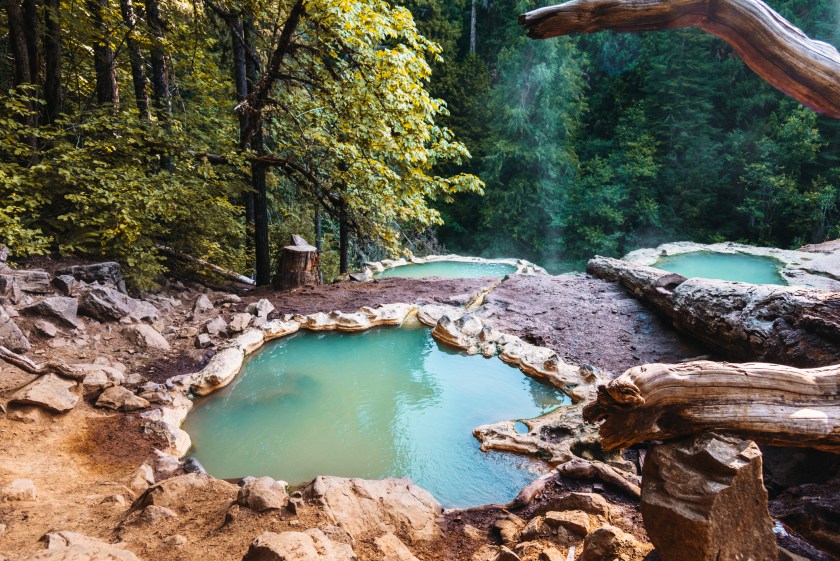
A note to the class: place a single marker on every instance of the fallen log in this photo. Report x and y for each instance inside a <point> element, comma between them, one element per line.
<point>744,322</point>
<point>649,284</point>
<point>226,273</point>
<point>768,403</point>
<point>780,53</point>
<point>50,367</point>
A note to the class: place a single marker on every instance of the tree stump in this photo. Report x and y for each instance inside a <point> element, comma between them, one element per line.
<point>298,265</point>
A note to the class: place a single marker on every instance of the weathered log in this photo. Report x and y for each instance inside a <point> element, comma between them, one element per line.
<point>298,265</point>
<point>768,403</point>
<point>805,69</point>
<point>578,468</point>
<point>651,285</point>
<point>50,367</point>
<point>227,273</point>
<point>745,322</point>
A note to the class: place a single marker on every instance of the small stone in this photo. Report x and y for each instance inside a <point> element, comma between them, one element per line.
<point>11,335</point>
<point>119,398</point>
<point>589,503</point>
<point>153,514</point>
<point>188,332</point>
<point>58,343</point>
<point>176,540</point>
<point>19,490</point>
<point>260,308</point>
<point>261,494</point>
<point>202,306</point>
<point>2,530</point>
<point>473,533</point>
<point>575,520</point>
<point>142,478</point>
<point>146,336</point>
<point>67,285</point>
<point>118,500</point>
<point>506,554</point>
<point>239,322</point>
<point>203,341</point>
<point>509,527</point>
<point>216,327</point>
<point>609,542</point>
<point>45,328</point>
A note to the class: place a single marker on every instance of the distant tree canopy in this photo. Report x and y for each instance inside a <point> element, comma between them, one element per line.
<point>196,126</point>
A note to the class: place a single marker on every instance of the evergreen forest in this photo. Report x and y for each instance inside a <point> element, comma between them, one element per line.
<point>136,130</point>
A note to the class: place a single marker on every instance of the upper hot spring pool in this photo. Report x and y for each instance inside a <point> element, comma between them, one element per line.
<point>383,402</point>
<point>738,267</point>
<point>449,269</point>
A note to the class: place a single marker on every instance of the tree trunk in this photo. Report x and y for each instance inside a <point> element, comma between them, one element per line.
<point>343,241</point>
<point>768,403</point>
<point>135,57</point>
<point>107,89</point>
<point>30,29</point>
<point>298,266</point>
<point>160,80</point>
<point>744,322</point>
<point>772,47</point>
<point>472,26</point>
<point>319,234</point>
<point>17,36</point>
<point>261,241</point>
<point>52,60</point>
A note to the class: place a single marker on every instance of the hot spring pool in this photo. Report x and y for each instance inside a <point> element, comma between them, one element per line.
<point>739,267</point>
<point>383,402</point>
<point>449,269</point>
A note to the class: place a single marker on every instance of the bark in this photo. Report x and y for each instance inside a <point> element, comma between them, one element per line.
<point>743,322</point>
<point>298,266</point>
<point>805,69</point>
<point>17,36</point>
<point>261,240</point>
<point>472,26</point>
<point>319,232</point>
<point>227,273</point>
<point>107,89</point>
<point>52,60</point>
<point>160,79</point>
<point>343,241</point>
<point>30,29</point>
<point>768,403</point>
<point>135,57</point>
<point>27,365</point>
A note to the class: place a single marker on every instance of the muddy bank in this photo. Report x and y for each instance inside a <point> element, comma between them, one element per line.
<point>586,321</point>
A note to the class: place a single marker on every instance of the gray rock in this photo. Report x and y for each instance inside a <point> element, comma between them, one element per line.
<point>202,307</point>
<point>142,478</point>
<point>191,465</point>
<point>203,341</point>
<point>106,304</point>
<point>154,514</point>
<point>239,322</point>
<point>67,285</point>
<point>260,308</point>
<point>48,392</point>
<point>72,546</point>
<point>19,490</point>
<point>188,332</point>
<point>121,399</point>
<point>261,494</point>
<point>703,498</point>
<point>312,545</point>
<point>10,334</point>
<point>45,328</point>
<point>103,273</point>
<point>36,282</point>
<point>62,308</point>
<point>146,336</point>
<point>216,327</point>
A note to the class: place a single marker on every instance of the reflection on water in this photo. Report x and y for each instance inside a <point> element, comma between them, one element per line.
<point>449,269</point>
<point>738,267</point>
<point>384,402</point>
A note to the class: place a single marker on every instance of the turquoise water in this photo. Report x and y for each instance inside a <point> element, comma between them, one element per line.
<point>449,269</point>
<point>383,402</point>
<point>725,266</point>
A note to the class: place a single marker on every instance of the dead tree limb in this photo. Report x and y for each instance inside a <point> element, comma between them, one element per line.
<point>28,365</point>
<point>805,69</point>
<point>768,403</point>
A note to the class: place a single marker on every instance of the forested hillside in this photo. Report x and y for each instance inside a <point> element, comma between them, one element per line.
<point>214,129</point>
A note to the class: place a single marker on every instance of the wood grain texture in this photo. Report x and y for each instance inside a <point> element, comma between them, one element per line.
<point>803,68</point>
<point>769,403</point>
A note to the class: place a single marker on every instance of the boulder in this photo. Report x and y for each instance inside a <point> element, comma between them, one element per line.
<point>703,498</point>
<point>263,493</point>
<point>106,304</point>
<point>239,322</point>
<point>103,273</point>
<point>45,328</point>
<point>216,327</point>
<point>311,545</point>
<point>176,491</point>
<point>812,510</point>
<point>362,507</point>
<point>61,308</point>
<point>260,308</point>
<point>509,526</point>
<point>119,398</point>
<point>146,336</point>
<point>201,307</point>
<point>48,392</point>
<point>609,543</point>
<point>575,521</point>
<point>11,336</point>
<point>154,514</point>
<point>142,478</point>
<point>71,546</point>
<point>67,285</point>
<point>18,490</point>
<point>36,282</point>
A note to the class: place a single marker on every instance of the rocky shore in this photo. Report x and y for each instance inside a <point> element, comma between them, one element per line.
<point>96,383</point>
